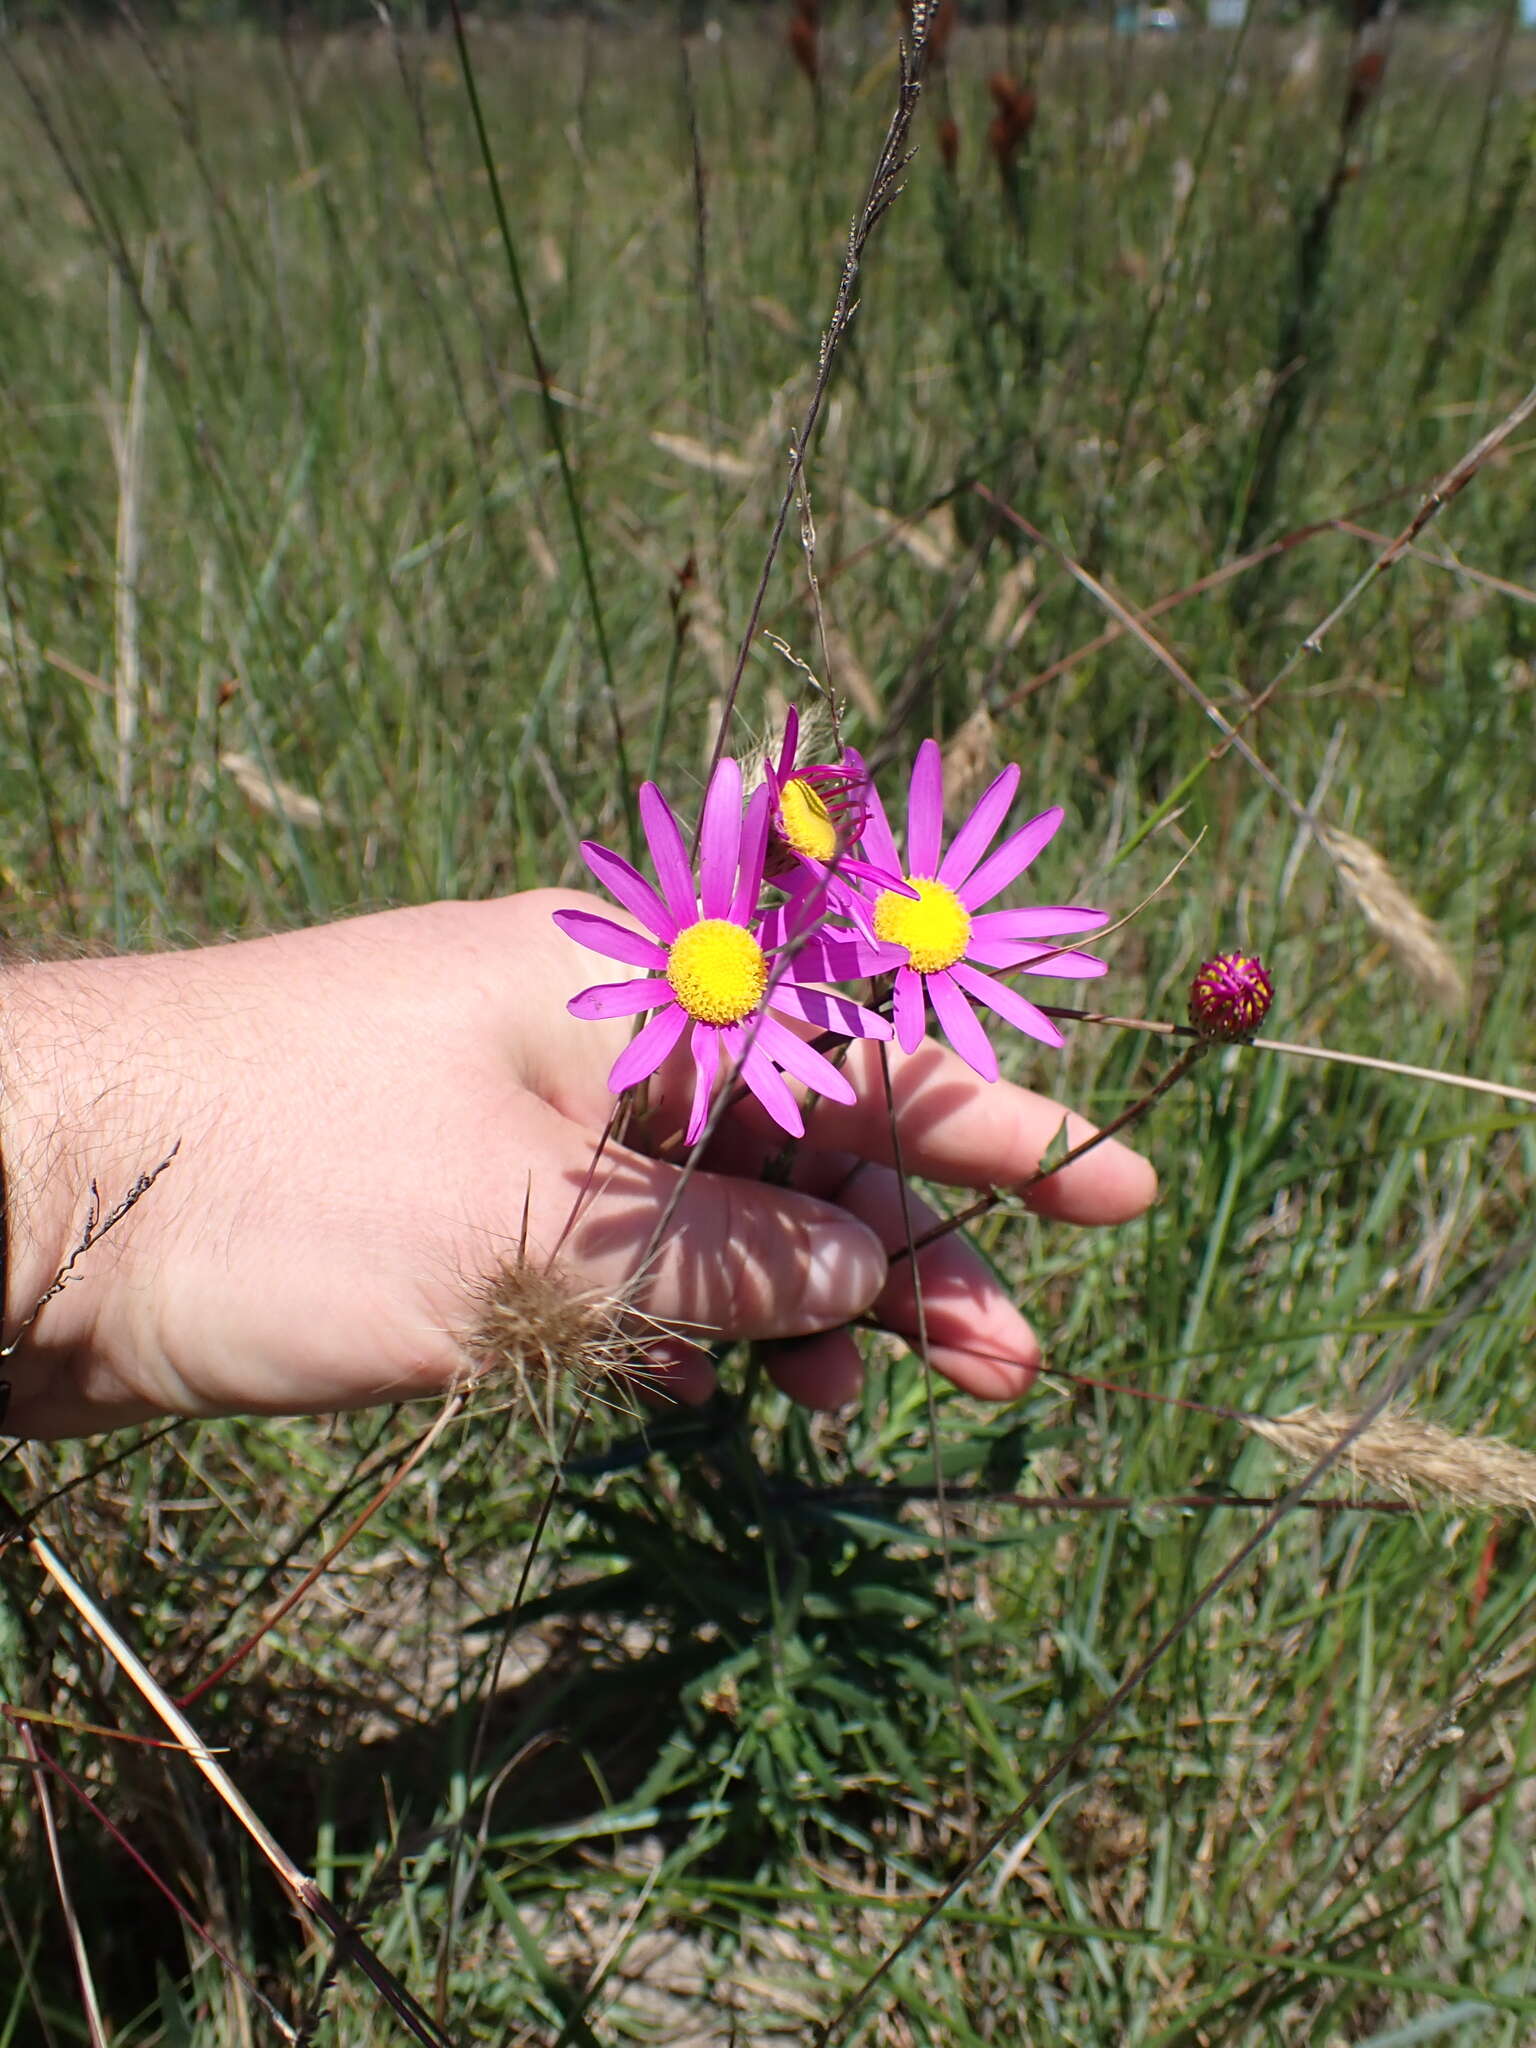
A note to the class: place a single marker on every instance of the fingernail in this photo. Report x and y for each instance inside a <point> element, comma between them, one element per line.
<point>846,1271</point>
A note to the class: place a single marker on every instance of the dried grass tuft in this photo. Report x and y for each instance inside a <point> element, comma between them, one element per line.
<point>970,759</point>
<point>1394,916</point>
<point>818,737</point>
<point>271,794</point>
<point>1012,612</point>
<point>1408,1456</point>
<point>535,1328</point>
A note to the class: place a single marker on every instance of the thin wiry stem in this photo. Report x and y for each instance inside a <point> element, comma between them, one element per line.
<point>1134,625</point>
<point>552,427</point>
<point>1328,1054</point>
<point>302,1889</point>
<point>446,1414</point>
<point>1073,1503</point>
<point>1438,496</point>
<point>911,1241</point>
<point>1418,1359</point>
<point>83,1975</point>
<point>96,1228</point>
<point>884,188</point>
<point>47,1763</point>
<point>993,1196</point>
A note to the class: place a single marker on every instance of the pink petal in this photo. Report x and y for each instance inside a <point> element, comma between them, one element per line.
<point>1067,966</point>
<point>827,1013</point>
<point>790,928</point>
<point>1010,859</point>
<point>975,835</point>
<point>844,900</point>
<point>866,871</point>
<point>720,838</point>
<point>844,956</point>
<point>620,998</point>
<point>908,1009</point>
<point>791,739</point>
<point>1042,921</point>
<point>754,847</point>
<point>648,1048</point>
<point>631,889</point>
<point>876,838</point>
<point>767,1084</point>
<point>705,1047</point>
<point>1012,954</point>
<point>925,810</point>
<point>613,941</point>
<point>669,854</point>
<point>859,784</point>
<point>1008,1004</point>
<point>803,1061</point>
<point>962,1027</point>
<point>817,952</point>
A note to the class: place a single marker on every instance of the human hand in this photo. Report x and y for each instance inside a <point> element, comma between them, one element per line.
<point>367,1112</point>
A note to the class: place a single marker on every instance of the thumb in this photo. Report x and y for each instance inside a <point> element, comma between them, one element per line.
<point>736,1258</point>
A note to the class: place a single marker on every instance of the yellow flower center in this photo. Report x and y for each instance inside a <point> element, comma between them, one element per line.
<point>935,927</point>
<point>718,972</point>
<point>805,823</point>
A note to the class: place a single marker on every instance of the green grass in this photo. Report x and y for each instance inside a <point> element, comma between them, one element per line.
<point>754,1711</point>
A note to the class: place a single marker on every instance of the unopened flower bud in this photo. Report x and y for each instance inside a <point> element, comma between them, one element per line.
<point>1230,996</point>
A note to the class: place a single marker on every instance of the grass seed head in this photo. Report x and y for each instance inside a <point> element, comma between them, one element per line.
<point>971,759</point>
<point>1394,916</point>
<point>1409,1457</point>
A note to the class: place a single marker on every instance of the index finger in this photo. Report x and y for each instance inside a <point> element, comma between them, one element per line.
<point>956,1128</point>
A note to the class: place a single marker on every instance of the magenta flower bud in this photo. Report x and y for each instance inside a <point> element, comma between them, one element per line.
<point>1230,997</point>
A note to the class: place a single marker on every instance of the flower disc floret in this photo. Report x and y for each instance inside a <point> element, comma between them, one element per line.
<point>718,971</point>
<point>804,820</point>
<point>934,927</point>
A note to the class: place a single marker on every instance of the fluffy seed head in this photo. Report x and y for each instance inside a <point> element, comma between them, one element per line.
<point>553,1341</point>
<point>1230,996</point>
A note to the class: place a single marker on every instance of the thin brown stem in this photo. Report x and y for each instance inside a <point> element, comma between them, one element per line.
<point>993,1196</point>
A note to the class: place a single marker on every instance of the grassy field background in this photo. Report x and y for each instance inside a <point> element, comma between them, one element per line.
<point>293,621</point>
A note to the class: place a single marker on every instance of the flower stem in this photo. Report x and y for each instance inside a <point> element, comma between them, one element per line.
<point>1139,1108</point>
<point>1326,1053</point>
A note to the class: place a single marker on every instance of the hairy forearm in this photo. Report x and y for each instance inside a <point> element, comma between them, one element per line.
<point>90,1100</point>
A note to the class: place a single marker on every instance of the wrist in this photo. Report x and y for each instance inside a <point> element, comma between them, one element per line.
<point>79,1103</point>
<point>42,1180</point>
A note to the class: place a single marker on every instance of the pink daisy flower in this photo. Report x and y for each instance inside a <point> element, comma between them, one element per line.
<point>814,826</point>
<point>818,811</point>
<point>708,973</point>
<point>939,942</point>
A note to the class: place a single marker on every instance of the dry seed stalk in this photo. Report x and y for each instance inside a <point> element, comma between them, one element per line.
<point>1409,1456</point>
<point>971,758</point>
<point>1394,916</point>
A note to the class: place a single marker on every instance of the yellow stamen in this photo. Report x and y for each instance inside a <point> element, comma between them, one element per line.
<point>935,928</point>
<point>805,823</point>
<point>718,971</point>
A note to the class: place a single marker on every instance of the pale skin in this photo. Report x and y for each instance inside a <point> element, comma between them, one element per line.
<point>368,1111</point>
